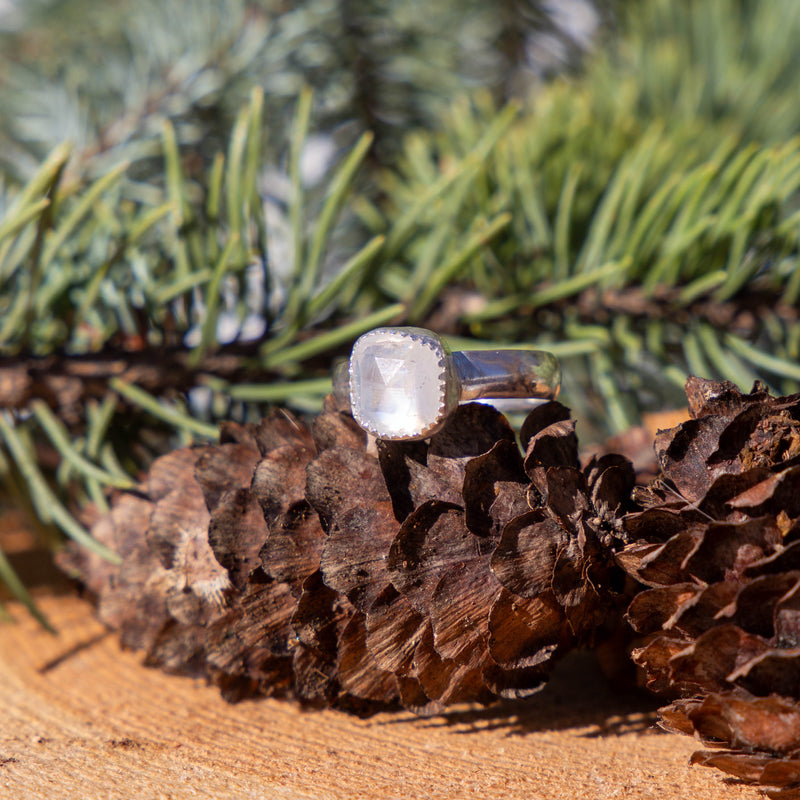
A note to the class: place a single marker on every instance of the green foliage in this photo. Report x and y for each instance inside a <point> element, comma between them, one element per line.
<point>651,233</point>
<point>88,267</point>
<point>84,265</point>
<point>716,59</point>
<point>106,75</point>
<point>639,219</point>
<point>611,231</point>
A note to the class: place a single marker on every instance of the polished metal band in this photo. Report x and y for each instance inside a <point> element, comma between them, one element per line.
<point>402,383</point>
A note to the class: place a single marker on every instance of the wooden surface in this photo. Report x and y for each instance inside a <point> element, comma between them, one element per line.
<point>80,718</point>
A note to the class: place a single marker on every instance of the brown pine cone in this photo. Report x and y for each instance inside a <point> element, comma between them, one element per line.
<point>311,564</point>
<point>718,543</point>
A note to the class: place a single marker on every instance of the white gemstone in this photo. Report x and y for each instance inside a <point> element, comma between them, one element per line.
<point>397,383</point>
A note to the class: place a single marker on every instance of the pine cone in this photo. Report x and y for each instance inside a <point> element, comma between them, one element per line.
<point>297,562</point>
<point>718,543</point>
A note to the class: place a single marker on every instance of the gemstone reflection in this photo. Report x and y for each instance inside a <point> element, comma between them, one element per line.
<point>397,383</point>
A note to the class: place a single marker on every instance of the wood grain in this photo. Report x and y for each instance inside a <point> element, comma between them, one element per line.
<point>81,718</point>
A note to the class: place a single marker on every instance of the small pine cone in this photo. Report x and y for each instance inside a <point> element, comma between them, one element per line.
<point>311,564</point>
<point>718,545</point>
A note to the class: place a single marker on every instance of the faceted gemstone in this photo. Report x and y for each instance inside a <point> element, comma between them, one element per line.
<point>397,383</point>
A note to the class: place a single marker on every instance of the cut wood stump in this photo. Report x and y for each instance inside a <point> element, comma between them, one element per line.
<point>81,718</point>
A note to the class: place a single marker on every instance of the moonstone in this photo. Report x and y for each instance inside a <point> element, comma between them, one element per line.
<point>397,383</point>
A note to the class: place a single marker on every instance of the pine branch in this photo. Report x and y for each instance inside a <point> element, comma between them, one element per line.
<point>129,317</point>
<point>624,219</point>
<point>109,76</point>
<point>678,234</point>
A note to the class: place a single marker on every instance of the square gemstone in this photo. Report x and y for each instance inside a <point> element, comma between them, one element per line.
<point>397,383</point>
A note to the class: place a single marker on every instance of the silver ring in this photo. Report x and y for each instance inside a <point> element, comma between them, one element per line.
<point>403,383</point>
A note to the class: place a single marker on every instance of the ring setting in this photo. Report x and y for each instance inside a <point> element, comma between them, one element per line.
<point>403,383</point>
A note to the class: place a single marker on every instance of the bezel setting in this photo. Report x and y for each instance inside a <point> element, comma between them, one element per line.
<point>399,383</point>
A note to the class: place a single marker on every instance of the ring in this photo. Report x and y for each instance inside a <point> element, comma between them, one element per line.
<point>403,383</point>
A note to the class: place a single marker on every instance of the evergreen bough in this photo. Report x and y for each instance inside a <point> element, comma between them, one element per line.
<point>639,218</point>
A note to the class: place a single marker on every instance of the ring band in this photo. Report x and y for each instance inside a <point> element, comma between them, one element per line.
<point>403,383</point>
